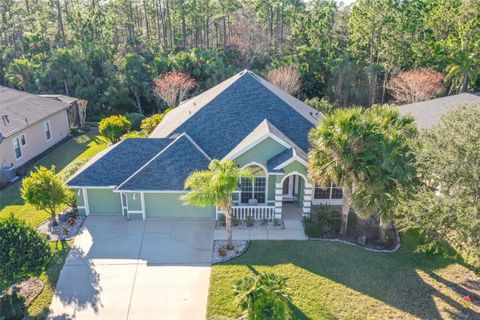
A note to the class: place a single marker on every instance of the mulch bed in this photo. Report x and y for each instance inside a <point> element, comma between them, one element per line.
<point>29,289</point>
<point>69,224</point>
<point>221,254</point>
<point>253,224</point>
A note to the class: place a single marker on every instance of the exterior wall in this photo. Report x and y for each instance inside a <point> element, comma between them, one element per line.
<point>169,205</point>
<point>134,204</point>
<point>260,153</point>
<point>104,201</point>
<point>36,140</point>
<point>272,179</point>
<point>295,166</point>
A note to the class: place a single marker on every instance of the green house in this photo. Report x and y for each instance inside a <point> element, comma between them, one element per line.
<point>245,119</point>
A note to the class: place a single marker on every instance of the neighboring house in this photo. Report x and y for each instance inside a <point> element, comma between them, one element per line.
<point>29,125</point>
<point>245,119</point>
<point>429,113</point>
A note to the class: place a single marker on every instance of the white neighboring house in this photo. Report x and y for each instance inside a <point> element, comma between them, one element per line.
<point>29,125</point>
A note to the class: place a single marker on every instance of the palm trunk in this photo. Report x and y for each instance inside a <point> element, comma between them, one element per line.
<point>385,225</point>
<point>347,194</point>
<point>228,224</point>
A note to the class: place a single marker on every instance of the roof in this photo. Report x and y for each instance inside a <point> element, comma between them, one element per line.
<point>169,169</point>
<point>118,163</point>
<point>23,109</point>
<point>263,130</point>
<point>429,113</point>
<point>60,97</point>
<point>220,118</point>
<point>278,160</point>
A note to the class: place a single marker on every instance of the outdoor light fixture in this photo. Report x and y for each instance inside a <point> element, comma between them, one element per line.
<point>134,196</point>
<point>78,192</point>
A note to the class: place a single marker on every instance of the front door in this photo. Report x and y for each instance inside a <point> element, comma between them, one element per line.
<point>290,188</point>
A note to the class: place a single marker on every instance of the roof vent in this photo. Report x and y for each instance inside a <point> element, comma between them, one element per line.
<point>6,118</point>
<point>26,120</point>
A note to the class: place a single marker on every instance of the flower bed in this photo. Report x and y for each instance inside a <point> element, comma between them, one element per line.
<point>222,254</point>
<point>69,224</point>
<point>252,224</point>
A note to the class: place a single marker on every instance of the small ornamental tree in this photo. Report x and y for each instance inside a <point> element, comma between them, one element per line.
<point>45,191</point>
<point>113,127</point>
<point>172,87</point>
<point>24,251</point>
<point>286,78</point>
<point>416,85</point>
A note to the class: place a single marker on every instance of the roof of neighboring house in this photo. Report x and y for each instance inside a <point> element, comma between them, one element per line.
<point>429,113</point>
<point>118,163</point>
<point>169,169</point>
<point>19,109</point>
<point>220,118</point>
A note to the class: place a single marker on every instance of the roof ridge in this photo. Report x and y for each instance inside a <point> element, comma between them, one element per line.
<point>183,134</point>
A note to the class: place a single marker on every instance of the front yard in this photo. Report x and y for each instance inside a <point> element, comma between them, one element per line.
<point>328,280</point>
<point>80,147</point>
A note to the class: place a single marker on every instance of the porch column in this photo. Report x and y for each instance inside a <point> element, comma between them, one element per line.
<point>307,199</point>
<point>85,201</point>
<point>278,200</point>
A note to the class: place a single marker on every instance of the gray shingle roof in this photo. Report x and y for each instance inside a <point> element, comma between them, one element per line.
<point>428,113</point>
<point>279,159</point>
<point>234,110</point>
<point>118,163</point>
<point>24,109</point>
<point>169,169</point>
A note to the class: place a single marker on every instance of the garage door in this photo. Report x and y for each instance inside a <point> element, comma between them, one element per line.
<point>104,202</point>
<point>169,205</point>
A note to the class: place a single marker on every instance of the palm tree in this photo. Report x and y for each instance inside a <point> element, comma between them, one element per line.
<point>394,172</point>
<point>462,71</point>
<point>340,152</point>
<point>263,296</point>
<point>214,187</point>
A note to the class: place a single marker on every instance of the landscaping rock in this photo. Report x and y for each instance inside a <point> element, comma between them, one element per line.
<point>65,230</point>
<point>29,289</point>
<point>221,254</point>
<point>362,240</point>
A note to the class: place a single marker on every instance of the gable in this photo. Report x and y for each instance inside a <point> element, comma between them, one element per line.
<point>260,153</point>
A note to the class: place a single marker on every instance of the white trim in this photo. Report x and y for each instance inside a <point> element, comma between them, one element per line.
<point>142,200</point>
<point>17,139</point>
<point>256,142</point>
<point>292,159</point>
<point>293,173</point>
<point>278,209</point>
<point>253,163</point>
<point>91,187</point>
<point>85,201</point>
<point>153,191</point>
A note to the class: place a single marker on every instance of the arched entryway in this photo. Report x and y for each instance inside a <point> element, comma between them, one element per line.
<point>293,196</point>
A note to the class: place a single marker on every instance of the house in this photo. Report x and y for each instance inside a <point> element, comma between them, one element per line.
<point>429,113</point>
<point>29,125</point>
<point>245,119</point>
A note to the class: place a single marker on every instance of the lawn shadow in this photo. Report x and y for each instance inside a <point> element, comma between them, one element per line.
<point>395,279</point>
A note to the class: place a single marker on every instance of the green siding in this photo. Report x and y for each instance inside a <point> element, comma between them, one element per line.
<point>295,166</point>
<point>272,179</point>
<point>260,153</point>
<point>134,205</point>
<point>79,195</point>
<point>301,189</point>
<point>104,201</point>
<point>169,205</point>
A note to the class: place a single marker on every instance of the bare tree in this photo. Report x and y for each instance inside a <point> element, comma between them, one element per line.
<point>286,78</point>
<point>416,85</point>
<point>249,37</point>
<point>172,87</point>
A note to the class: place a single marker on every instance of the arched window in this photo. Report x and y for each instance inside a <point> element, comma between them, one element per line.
<point>253,190</point>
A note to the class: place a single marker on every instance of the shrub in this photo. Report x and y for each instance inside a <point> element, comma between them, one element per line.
<point>24,250</point>
<point>135,120</point>
<point>113,127</point>
<point>249,221</point>
<point>222,251</point>
<point>12,306</point>
<point>323,219</point>
<point>149,124</point>
<point>134,134</point>
<point>320,104</point>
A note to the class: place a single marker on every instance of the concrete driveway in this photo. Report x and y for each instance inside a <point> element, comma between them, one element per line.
<point>118,269</point>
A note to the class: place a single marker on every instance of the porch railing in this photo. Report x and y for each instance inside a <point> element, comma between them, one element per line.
<point>254,212</point>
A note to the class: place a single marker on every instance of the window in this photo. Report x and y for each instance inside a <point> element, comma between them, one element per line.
<point>23,140</point>
<point>327,193</point>
<point>254,188</point>
<point>46,127</point>
<point>17,148</point>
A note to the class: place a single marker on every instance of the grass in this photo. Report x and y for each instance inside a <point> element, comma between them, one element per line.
<point>328,280</point>
<point>38,309</point>
<point>80,147</point>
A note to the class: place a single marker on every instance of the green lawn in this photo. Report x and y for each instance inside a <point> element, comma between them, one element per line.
<point>328,280</point>
<point>83,146</point>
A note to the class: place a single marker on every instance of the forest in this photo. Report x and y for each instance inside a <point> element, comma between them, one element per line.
<point>110,52</point>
